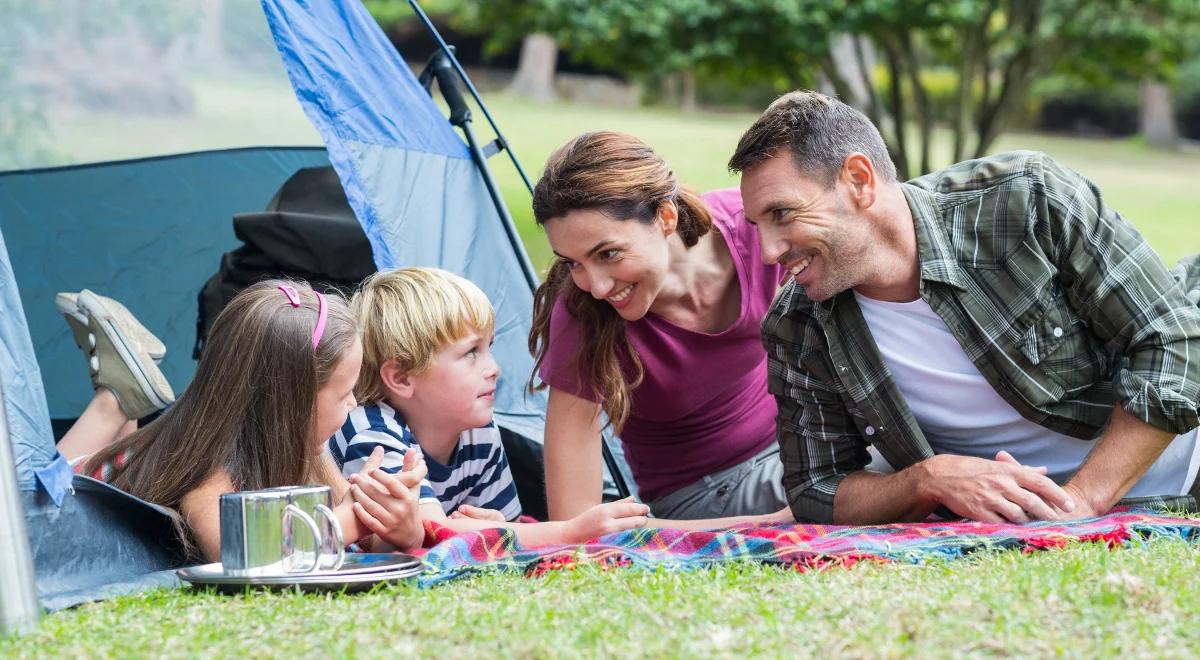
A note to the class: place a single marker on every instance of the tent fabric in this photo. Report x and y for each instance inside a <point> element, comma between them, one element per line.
<point>410,180</point>
<point>147,232</point>
<point>21,381</point>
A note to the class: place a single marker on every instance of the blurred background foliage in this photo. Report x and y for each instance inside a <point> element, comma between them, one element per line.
<point>974,67</point>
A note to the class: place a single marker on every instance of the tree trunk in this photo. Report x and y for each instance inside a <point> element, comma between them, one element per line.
<point>687,90</point>
<point>535,69</point>
<point>899,145</point>
<point>1158,115</point>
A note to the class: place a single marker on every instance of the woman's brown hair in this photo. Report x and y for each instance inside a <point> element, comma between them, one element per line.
<point>251,407</point>
<point>621,177</point>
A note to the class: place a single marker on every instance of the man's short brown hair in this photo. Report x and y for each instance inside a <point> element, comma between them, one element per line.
<point>820,131</point>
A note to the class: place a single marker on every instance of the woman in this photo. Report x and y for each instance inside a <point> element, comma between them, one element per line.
<point>651,315</point>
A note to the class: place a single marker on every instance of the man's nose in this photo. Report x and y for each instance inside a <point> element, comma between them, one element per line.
<point>772,250</point>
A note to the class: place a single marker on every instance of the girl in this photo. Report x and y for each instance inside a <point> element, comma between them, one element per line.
<point>275,381</point>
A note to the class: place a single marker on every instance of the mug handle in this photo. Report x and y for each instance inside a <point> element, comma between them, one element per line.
<point>336,526</point>
<point>293,510</point>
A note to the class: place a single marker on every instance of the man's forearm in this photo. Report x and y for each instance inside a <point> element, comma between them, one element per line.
<point>868,498</point>
<point>1128,448</point>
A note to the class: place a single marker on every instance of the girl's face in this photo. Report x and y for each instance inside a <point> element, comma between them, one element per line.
<point>622,262</point>
<point>336,399</point>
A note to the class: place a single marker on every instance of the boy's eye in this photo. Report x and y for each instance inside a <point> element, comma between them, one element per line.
<point>571,265</point>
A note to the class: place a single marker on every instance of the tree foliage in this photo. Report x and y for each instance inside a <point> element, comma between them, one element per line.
<point>996,48</point>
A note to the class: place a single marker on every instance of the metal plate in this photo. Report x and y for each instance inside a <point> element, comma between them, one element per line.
<point>361,571</point>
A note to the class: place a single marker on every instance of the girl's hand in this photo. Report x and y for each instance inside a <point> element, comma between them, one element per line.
<point>467,511</point>
<point>388,504</point>
<point>607,518</point>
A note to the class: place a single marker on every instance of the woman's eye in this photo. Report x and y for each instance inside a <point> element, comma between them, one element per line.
<point>608,255</point>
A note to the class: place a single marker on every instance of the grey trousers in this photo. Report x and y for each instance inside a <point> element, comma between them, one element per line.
<point>748,488</point>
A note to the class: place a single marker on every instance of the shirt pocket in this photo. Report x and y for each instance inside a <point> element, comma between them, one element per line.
<point>1061,348</point>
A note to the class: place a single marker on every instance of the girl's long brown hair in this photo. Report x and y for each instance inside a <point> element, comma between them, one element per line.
<point>250,408</point>
<point>620,176</point>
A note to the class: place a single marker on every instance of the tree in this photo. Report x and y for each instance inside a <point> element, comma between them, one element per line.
<point>995,49</point>
<point>535,70</point>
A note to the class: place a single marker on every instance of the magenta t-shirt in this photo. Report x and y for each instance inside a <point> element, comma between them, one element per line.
<point>703,405</point>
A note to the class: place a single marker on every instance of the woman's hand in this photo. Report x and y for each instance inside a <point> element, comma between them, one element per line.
<point>388,505</point>
<point>606,519</point>
<point>467,511</point>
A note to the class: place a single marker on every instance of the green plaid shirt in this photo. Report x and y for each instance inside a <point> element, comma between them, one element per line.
<point>1060,303</point>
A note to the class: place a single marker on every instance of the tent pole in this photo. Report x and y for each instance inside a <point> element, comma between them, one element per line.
<point>453,62</point>
<point>442,67</point>
<point>18,593</point>
<point>439,68</point>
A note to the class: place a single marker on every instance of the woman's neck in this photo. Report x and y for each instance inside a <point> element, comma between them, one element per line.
<point>696,292</point>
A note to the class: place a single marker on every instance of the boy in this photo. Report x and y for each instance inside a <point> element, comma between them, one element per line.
<point>427,384</point>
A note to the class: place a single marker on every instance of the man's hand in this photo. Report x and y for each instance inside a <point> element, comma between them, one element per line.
<point>466,511</point>
<point>605,519</point>
<point>996,491</point>
<point>388,504</point>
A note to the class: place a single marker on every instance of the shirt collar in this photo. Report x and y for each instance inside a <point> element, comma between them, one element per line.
<point>939,263</point>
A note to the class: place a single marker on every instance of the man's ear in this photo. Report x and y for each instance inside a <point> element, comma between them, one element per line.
<point>396,380</point>
<point>858,172</point>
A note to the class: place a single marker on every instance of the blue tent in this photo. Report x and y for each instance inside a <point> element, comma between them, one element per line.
<point>149,230</point>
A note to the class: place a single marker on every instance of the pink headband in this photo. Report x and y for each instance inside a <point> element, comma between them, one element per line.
<point>322,313</point>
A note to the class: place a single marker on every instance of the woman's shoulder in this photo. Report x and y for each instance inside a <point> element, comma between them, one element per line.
<point>725,204</point>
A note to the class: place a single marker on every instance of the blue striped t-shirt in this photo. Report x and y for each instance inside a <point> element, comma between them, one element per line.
<point>477,473</point>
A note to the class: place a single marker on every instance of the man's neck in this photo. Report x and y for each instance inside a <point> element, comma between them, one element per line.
<point>896,272</point>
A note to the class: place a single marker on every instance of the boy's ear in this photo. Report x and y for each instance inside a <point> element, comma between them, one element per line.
<point>396,380</point>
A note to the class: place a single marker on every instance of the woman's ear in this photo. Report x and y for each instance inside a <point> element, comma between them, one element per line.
<point>668,215</point>
<point>396,381</point>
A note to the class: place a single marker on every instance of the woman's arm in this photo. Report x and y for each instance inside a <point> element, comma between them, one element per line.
<point>782,516</point>
<point>201,510</point>
<point>593,522</point>
<point>574,479</point>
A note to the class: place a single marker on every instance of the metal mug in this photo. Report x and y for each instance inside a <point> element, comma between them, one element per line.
<point>276,531</point>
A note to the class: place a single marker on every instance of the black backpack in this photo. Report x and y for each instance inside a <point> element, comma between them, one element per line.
<point>308,232</point>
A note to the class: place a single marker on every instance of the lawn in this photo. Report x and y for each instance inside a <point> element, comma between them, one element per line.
<point>1084,601</point>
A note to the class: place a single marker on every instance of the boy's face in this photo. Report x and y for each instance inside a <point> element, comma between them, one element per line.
<point>461,384</point>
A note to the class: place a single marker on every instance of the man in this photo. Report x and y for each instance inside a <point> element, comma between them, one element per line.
<point>1009,344</point>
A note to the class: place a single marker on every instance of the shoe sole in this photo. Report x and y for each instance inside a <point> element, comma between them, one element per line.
<point>67,304</point>
<point>151,381</point>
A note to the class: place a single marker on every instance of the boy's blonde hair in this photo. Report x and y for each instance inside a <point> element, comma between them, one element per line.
<point>409,315</point>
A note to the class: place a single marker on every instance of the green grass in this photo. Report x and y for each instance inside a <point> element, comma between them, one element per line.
<point>1085,601</point>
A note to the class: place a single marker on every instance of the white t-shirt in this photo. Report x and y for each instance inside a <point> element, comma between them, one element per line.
<point>960,413</point>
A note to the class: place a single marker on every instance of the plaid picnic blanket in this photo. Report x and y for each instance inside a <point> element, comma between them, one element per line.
<point>800,546</point>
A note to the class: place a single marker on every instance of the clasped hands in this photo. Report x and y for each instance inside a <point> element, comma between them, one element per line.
<point>388,505</point>
<point>999,491</point>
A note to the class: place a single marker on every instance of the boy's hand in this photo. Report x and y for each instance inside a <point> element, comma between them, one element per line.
<point>469,512</point>
<point>607,518</point>
<point>388,504</point>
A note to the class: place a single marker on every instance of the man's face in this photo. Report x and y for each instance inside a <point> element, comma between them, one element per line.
<point>810,229</point>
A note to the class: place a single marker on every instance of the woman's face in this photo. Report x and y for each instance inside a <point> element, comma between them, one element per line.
<point>335,399</point>
<point>622,262</point>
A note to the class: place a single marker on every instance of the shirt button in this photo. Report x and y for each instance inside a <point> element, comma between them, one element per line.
<point>870,430</point>
<point>1058,332</point>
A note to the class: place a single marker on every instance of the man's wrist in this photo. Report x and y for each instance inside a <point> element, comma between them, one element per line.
<point>924,480</point>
